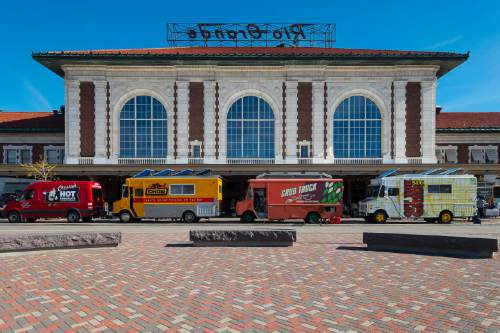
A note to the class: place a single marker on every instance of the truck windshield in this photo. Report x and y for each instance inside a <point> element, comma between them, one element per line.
<point>373,191</point>
<point>125,191</point>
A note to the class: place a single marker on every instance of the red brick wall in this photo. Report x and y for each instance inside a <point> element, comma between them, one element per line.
<point>304,111</point>
<point>413,117</point>
<point>87,119</point>
<point>196,111</point>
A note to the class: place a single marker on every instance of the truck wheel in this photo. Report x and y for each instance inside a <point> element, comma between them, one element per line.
<point>312,218</point>
<point>380,216</point>
<point>14,217</point>
<point>73,216</point>
<point>125,216</point>
<point>445,217</point>
<point>189,217</point>
<point>247,217</point>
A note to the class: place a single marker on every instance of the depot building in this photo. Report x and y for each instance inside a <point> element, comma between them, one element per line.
<point>241,111</point>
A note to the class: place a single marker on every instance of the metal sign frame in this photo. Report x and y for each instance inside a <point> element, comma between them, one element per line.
<point>251,34</point>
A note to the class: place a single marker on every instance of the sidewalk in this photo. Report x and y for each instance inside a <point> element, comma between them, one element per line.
<point>314,286</point>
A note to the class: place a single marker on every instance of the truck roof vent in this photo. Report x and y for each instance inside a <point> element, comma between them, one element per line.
<point>185,172</point>
<point>144,173</point>
<point>202,172</point>
<point>163,173</point>
<point>298,175</point>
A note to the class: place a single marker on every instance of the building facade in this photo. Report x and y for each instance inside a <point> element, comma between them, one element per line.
<point>248,106</point>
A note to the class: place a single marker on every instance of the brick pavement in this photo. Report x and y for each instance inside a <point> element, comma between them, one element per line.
<point>314,286</point>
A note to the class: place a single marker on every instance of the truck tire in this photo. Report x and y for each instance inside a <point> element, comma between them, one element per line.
<point>14,217</point>
<point>380,216</point>
<point>368,218</point>
<point>312,217</point>
<point>189,217</point>
<point>445,217</point>
<point>247,217</point>
<point>73,216</point>
<point>125,216</point>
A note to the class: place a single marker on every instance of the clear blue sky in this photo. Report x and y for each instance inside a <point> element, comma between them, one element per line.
<point>460,26</point>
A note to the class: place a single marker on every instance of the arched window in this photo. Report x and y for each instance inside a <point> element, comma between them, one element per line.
<point>357,128</point>
<point>250,129</point>
<point>143,128</point>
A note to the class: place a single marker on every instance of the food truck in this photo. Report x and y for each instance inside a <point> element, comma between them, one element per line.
<point>185,194</point>
<point>312,197</point>
<point>439,197</point>
<point>74,200</point>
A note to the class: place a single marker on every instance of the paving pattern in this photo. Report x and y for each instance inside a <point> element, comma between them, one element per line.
<point>325,283</point>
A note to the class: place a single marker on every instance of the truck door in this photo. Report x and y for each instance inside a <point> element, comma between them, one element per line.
<point>260,202</point>
<point>29,204</point>
<point>394,207</point>
<point>413,197</point>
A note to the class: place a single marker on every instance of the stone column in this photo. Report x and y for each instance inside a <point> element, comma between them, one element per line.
<point>182,121</point>
<point>428,123</point>
<point>400,122</point>
<point>209,121</point>
<point>291,122</point>
<point>100,122</point>
<point>318,121</point>
<point>72,128</point>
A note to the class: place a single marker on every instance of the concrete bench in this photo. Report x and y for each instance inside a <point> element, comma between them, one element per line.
<point>430,244</point>
<point>264,237</point>
<point>48,241</point>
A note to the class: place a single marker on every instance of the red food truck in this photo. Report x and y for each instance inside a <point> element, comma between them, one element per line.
<point>73,200</point>
<point>310,196</point>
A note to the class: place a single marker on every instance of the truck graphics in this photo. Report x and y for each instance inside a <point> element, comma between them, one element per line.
<point>313,192</point>
<point>62,193</point>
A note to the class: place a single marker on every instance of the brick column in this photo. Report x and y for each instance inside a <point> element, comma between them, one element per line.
<point>291,122</point>
<point>182,121</point>
<point>100,122</point>
<point>72,128</point>
<point>209,120</point>
<point>400,122</point>
<point>318,121</point>
<point>428,124</point>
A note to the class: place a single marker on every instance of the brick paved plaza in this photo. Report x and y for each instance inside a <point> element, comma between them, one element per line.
<point>314,286</point>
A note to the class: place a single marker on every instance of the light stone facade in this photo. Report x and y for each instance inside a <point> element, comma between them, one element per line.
<point>234,82</point>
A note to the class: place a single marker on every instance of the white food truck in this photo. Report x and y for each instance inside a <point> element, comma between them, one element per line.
<point>431,197</point>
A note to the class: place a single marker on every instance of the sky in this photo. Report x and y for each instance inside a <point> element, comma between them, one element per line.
<point>437,25</point>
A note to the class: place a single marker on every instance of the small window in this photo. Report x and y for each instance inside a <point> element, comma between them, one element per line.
<point>196,151</point>
<point>393,191</point>
<point>11,156</point>
<point>439,188</point>
<point>25,156</point>
<point>125,191</point>
<point>304,151</point>
<point>54,155</point>
<point>182,189</point>
<point>138,192</point>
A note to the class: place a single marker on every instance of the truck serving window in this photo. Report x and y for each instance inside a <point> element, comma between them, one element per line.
<point>182,189</point>
<point>439,188</point>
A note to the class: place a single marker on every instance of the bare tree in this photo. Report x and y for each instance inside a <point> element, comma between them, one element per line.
<point>40,170</point>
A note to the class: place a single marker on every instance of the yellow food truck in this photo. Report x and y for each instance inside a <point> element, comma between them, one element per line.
<point>186,194</point>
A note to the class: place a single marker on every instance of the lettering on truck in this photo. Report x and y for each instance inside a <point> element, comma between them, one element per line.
<point>301,189</point>
<point>63,193</point>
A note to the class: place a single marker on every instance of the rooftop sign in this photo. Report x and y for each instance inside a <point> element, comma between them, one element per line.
<point>251,34</point>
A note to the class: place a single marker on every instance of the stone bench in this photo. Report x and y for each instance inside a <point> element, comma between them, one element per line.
<point>430,244</point>
<point>263,237</point>
<point>49,241</point>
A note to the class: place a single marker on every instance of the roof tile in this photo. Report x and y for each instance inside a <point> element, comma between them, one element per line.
<point>468,120</point>
<point>31,121</point>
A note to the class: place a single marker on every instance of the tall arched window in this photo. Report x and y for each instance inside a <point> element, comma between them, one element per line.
<point>250,129</point>
<point>143,128</point>
<point>357,129</point>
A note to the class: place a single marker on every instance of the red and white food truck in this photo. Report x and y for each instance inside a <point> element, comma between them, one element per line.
<point>312,197</point>
<point>73,200</point>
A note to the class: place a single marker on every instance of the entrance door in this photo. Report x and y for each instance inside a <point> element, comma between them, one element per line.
<point>413,197</point>
<point>260,202</point>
